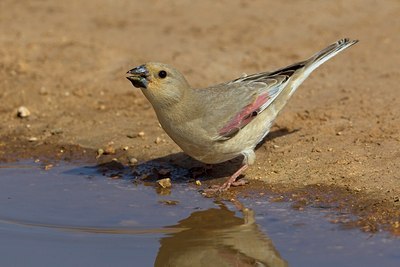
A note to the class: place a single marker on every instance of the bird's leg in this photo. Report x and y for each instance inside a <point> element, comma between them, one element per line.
<point>230,182</point>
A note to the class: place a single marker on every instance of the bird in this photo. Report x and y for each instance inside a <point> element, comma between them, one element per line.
<point>224,121</point>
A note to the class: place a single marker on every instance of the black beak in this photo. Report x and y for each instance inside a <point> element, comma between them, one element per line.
<point>138,76</point>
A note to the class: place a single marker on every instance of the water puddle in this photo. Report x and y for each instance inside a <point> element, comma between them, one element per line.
<point>73,215</point>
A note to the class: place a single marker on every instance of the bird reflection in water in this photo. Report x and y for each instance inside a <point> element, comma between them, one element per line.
<point>218,237</point>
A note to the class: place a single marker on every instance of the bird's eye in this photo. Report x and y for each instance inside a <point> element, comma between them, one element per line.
<point>162,74</point>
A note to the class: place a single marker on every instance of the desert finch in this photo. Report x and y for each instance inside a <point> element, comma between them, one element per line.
<point>224,121</point>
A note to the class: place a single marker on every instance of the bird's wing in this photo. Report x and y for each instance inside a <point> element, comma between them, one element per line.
<point>237,103</point>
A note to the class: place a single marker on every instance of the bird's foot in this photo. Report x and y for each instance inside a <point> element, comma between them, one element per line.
<point>216,189</point>
<point>230,182</point>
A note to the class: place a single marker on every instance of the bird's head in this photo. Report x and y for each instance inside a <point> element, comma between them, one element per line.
<point>161,84</point>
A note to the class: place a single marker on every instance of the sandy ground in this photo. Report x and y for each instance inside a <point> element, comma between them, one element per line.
<point>66,62</point>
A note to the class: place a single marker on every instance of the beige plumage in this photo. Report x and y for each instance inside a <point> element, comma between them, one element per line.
<point>221,122</point>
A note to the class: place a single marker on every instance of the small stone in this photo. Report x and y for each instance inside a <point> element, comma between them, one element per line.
<point>109,149</point>
<point>125,148</point>
<point>48,167</point>
<point>43,91</point>
<point>165,183</point>
<point>100,152</point>
<point>116,176</point>
<point>23,112</point>
<point>141,134</point>
<point>32,139</point>
<point>198,182</point>
<point>158,140</point>
<point>339,133</point>
<point>133,161</point>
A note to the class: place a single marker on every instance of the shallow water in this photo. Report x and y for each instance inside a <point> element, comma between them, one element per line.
<point>73,215</point>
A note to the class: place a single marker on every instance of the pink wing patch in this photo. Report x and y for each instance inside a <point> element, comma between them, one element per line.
<point>244,117</point>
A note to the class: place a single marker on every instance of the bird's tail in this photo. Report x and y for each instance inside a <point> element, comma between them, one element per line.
<point>321,57</point>
<point>325,54</point>
<point>301,70</point>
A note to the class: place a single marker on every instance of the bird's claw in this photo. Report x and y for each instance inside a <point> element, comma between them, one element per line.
<point>216,189</point>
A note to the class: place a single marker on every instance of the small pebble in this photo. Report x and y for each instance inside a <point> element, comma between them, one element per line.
<point>43,91</point>
<point>109,149</point>
<point>198,182</point>
<point>100,152</point>
<point>23,112</point>
<point>133,161</point>
<point>158,140</point>
<point>48,167</point>
<point>116,176</point>
<point>165,183</point>
<point>141,134</point>
<point>32,139</point>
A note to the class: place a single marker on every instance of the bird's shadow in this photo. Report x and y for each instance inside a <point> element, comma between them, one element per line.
<point>181,168</point>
